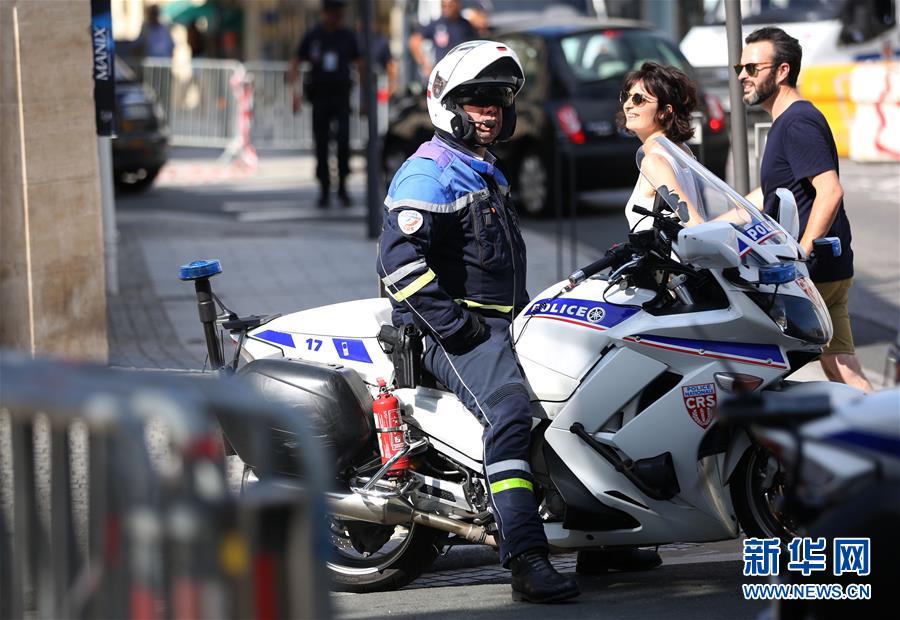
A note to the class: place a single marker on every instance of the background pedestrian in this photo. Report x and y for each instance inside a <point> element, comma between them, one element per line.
<point>329,49</point>
<point>155,40</point>
<point>478,15</point>
<point>801,156</point>
<point>445,33</point>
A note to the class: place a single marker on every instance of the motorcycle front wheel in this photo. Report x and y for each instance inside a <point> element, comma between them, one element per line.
<point>367,557</point>
<point>758,488</point>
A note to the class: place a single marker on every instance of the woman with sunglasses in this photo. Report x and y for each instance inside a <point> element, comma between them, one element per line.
<point>656,100</point>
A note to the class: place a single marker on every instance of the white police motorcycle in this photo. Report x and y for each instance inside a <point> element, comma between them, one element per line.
<point>627,362</point>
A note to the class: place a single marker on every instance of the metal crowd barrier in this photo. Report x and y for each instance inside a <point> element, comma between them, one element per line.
<point>274,123</point>
<point>198,101</point>
<point>117,503</point>
<point>202,106</point>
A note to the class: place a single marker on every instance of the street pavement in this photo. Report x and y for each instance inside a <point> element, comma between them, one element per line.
<point>695,581</point>
<point>282,254</point>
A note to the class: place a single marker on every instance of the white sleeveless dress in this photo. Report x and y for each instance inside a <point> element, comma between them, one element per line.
<point>636,221</point>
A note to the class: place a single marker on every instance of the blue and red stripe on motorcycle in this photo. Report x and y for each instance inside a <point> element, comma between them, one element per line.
<point>746,353</point>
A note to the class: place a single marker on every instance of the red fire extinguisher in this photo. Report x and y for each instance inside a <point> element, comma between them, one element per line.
<point>389,426</point>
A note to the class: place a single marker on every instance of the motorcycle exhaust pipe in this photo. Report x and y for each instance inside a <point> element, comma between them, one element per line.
<point>373,510</point>
<point>471,532</point>
<point>396,512</point>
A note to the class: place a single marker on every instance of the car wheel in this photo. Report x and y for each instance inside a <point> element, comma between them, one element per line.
<point>533,184</point>
<point>138,180</point>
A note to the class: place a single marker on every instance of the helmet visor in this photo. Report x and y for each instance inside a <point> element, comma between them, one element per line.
<point>485,95</point>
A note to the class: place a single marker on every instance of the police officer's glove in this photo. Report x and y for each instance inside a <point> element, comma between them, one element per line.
<point>467,337</point>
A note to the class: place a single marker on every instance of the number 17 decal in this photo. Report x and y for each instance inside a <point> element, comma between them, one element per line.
<point>313,345</point>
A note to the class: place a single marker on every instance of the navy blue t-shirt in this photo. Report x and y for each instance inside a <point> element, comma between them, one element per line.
<point>446,35</point>
<point>330,54</point>
<point>800,146</point>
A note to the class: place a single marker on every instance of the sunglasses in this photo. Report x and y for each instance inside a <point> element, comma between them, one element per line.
<point>636,98</point>
<point>484,96</point>
<point>751,67</point>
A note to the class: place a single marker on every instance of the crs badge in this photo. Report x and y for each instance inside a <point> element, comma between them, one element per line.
<point>700,402</point>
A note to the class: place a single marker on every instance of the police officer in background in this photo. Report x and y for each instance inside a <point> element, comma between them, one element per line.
<point>453,261</point>
<point>445,33</point>
<point>329,48</point>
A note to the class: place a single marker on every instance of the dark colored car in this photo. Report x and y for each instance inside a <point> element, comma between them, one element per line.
<point>567,111</point>
<point>141,145</point>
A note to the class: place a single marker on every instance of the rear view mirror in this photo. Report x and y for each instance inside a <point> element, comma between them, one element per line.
<point>827,248</point>
<point>788,216</point>
<point>711,245</point>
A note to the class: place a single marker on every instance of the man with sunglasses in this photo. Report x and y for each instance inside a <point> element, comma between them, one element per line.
<point>801,156</point>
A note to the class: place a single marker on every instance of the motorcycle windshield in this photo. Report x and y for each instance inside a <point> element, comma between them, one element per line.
<point>696,195</point>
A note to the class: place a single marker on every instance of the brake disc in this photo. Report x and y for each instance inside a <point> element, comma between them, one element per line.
<point>368,537</point>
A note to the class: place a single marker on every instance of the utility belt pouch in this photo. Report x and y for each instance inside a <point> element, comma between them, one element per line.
<point>404,345</point>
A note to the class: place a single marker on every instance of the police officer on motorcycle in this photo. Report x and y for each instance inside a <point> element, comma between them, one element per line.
<point>452,259</point>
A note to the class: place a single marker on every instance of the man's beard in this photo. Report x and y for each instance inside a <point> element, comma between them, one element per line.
<point>486,138</point>
<point>762,92</point>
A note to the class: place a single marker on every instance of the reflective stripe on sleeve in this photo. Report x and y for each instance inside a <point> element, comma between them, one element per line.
<point>511,483</point>
<point>414,287</point>
<point>516,464</point>
<point>474,304</point>
<point>433,207</point>
<point>402,272</point>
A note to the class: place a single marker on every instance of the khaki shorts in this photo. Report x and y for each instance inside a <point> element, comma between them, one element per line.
<point>835,295</point>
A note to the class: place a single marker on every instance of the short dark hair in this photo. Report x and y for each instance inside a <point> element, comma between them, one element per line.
<point>670,86</point>
<point>787,49</point>
<point>333,5</point>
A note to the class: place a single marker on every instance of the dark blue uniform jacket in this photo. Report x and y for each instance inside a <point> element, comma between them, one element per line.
<point>451,242</point>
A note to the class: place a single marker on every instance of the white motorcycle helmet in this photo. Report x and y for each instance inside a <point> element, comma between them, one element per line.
<point>476,71</point>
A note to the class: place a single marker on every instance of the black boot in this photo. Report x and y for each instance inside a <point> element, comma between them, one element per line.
<point>534,579</point>
<point>324,200</point>
<point>599,561</point>
<point>344,197</point>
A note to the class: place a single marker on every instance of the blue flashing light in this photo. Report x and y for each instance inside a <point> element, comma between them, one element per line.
<point>199,269</point>
<point>778,273</point>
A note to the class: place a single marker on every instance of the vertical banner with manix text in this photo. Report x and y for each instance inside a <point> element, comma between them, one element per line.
<point>104,64</point>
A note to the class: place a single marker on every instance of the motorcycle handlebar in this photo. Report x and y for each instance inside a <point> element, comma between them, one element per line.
<point>665,223</point>
<point>612,255</point>
<point>621,252</point>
